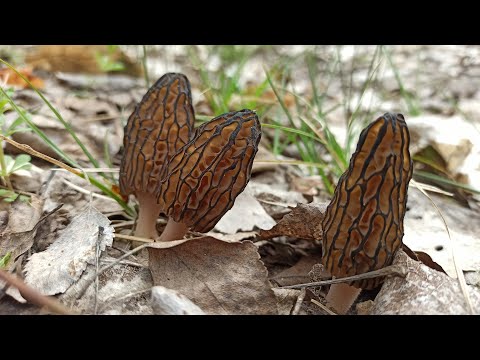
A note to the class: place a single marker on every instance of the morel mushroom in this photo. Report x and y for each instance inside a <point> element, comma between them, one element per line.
<point>363,224</point>
<point>208,173</point>
<point>158,127</point>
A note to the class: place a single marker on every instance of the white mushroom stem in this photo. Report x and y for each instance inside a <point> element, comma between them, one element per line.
<point>341,297</point>
<point>147,216</point>
<point>173,231</point>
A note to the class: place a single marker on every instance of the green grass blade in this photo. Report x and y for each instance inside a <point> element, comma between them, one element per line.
<point>66,158</point>
<point>39,132</point>
<point>440,179</point>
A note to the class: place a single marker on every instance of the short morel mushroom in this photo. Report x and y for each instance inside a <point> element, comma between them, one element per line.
<point>159,126</point>
<point>207,174</point>
<point>363,224</point>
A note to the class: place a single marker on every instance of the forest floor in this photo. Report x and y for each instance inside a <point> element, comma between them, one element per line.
<point>436,88</point>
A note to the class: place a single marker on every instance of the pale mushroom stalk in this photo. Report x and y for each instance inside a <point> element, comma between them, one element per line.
<point>173,231</point>
<point>363,224</point>
<point>206,175</point>
<point>148,212</point>
<point>160,125</point>
<point>342,296</point>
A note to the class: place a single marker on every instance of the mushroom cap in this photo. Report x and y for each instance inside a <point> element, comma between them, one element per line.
<point>160,125</point>
<point>363,224</point>
<point>207,174</point>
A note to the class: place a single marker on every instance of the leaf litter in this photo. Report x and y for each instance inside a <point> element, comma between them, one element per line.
<point>283,231</point>
<point>219,277</point>
<point>54,270</point>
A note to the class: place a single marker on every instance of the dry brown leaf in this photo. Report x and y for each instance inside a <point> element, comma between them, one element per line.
<point>18,235</point>
<point>54,270</point>
<point>302,222</point>
<point>219,277</point>
<point>12,78</point>
<point>423,257</point>
<point>422,291</point>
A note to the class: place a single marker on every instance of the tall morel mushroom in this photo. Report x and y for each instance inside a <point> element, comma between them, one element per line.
<point>363,224</point>
<point>207,174</point>
<point>158,127</point>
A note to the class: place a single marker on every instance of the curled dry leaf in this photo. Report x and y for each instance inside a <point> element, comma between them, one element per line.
<point>302,222</point>
<point>423,291</point>
<point>23,221</point>
<point>219,277</point>
<point>53,271</point>
<point>422,257</point>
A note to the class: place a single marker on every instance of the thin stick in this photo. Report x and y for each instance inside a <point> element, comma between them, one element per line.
<point>126,262</point>
<point>286,205</point>
<point>93,170</point>
<point>323,307</point>
<point>102,118</point>
<point>97,265</point>
<point>28,149</point>
<point>86,192</point>
<point>392,270</point>
<point>133,238</point>
<point>298,303</point>
<point>34,296</point>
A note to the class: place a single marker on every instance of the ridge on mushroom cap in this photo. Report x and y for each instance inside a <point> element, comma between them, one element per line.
<point>160,125</point>
<point>207,174</point>
<point>363,224</point>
